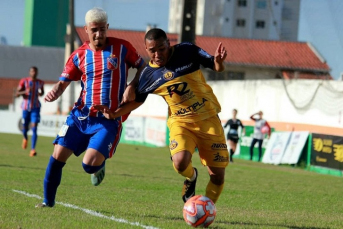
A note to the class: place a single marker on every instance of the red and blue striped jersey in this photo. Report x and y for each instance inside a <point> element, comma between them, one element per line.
<point>31,100</point>
<point>103,74</point>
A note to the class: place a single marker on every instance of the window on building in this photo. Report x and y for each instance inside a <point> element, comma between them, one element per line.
<point>240,22</point>
<point>242,3</point>
<point>260,24</point>
<point>276,3</point>
<point>229,75</point>
<point>227,19</point>
<point>261,4</point>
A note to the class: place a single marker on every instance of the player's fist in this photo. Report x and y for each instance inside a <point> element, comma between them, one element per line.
<point>51,96</point>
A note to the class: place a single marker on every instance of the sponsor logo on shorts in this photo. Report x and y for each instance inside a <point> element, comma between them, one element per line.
<point>219,158</point>
<point>109,146</point>
<point>173,144</point>
<point>219,146</point>
<point>168,75</point>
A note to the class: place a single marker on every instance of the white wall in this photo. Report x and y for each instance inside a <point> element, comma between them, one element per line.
<point>316,102</point>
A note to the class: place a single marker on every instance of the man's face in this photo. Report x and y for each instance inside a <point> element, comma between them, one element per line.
<point>97,34</point>
<point>33,73</point>
<point>158,51</point>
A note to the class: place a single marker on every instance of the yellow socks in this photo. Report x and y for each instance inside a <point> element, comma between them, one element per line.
<point>188,172</point>
<point>213,191</point>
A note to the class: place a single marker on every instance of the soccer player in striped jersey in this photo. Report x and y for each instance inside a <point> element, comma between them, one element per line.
<point>174,73</point>
<point>101,64</point>
<point>30,88</point>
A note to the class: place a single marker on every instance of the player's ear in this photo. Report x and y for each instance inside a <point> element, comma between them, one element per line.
<point>107,26</point>
<point>168,42</point>
<point>86,29</point>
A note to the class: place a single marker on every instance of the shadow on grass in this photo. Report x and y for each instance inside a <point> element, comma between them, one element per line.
<point>264,224</point>
<point>21,167</point>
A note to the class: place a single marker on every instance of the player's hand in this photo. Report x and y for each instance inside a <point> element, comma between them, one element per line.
<point>104,110</point>
<point>129,94</point>
<point>51,96</point>
<point>220,53</point>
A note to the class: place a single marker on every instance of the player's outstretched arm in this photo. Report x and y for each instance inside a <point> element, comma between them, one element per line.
<point>122,110</point>
<point>56,91</point>
<point>219,58</point>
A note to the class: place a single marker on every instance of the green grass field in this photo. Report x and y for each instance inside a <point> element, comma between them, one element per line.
<point>141,190</point>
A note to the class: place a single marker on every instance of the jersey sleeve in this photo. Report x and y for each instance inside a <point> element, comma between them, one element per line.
<point>71,72</point>
<point>21,84</point>
<point>241,124</point>
<point>146,85</point>
<point>133,59</point>
<point>205,59</point>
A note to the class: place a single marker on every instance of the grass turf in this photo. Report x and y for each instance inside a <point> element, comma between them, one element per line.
<point>141,187</point>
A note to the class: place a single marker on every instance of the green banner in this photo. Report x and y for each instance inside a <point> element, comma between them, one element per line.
<point>245,142</point>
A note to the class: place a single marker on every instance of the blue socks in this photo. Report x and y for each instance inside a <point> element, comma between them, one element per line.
<point>92,169</point>
<point>25,132</point>
<point>52,180</point>
<point>34,137</point>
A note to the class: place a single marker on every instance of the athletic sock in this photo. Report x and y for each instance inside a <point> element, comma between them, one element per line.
<point>231,154</point>
<point>213,191</point>
<point>52,180</point>
<point>25,132</point>
<point>34,137</point>
<point>189,172</point>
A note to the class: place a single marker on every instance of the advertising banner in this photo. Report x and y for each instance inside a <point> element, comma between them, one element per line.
<point>155,131</point>
<point>49,124</point>
<point>295,147</point>
<point>276,147</point>
<point>245,142</point>
<point>327,151</point>
<point>133,129</point>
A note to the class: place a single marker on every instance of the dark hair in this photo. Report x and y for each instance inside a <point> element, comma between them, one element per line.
<point>35,68</point>
<point>235,110</point>
<point>155,34</point>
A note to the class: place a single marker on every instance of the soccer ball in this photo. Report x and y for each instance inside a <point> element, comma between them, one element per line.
<point>199,211</point>
<point>264,129</point>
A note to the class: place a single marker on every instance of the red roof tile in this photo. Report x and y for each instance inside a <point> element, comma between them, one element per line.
<point>241,52</point>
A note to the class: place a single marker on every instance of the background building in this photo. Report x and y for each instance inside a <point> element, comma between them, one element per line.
<point>253,19</point>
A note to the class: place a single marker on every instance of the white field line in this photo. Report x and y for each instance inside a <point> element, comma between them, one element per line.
<point>90,212</point>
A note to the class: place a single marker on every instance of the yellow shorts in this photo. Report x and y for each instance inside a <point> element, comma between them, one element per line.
<point>206,135</point>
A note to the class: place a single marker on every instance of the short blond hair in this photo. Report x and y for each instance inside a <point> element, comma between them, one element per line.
<point>96,15</point>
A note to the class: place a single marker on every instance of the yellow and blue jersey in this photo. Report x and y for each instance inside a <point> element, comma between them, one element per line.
<point>181,83</point>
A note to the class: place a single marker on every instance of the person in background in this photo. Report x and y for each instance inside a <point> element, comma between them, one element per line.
<point>30,88</point>
<point>232,135</point>
<point>101,64</point>
<point>260,129</point>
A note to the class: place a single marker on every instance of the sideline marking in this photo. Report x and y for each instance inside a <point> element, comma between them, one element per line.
<point>90,212</point>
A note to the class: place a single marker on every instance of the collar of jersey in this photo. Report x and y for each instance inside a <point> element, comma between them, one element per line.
<point>151,64</point>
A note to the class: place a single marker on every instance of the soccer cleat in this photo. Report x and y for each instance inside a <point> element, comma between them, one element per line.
<point>33,153</point>
<point>24,143</point>
<point>96,178</point>
<point>43,205</point>
<point>188,189</point>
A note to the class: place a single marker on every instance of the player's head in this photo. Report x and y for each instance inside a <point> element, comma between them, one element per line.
<point>260,113</point>
<point>96,27</point>
<point>157,46</point>
<point>33,72</point>
<point>234,112</point>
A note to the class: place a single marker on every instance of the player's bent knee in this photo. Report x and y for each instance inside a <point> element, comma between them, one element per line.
<point>181,160</point>
<point>92,169</point>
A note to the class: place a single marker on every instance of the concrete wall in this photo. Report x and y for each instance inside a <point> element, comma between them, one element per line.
<point>307,103</point>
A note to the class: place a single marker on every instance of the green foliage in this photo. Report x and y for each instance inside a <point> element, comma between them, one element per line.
<point>141,186</point>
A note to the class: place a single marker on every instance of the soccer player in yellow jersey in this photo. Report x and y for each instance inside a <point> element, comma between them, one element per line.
<point>174,73</point>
